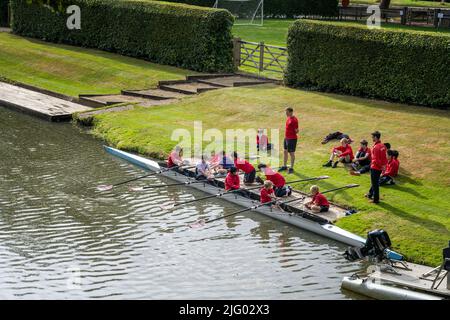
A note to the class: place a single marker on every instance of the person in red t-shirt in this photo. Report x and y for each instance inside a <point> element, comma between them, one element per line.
<point>290,139</point>
<point>361,162</point>
<point>344,153</point>
<point>319,202</point>
<point>277,179</point>
<point>262,141</point>
<point>175,157</point>
<point>232,181</point>
<point>377,166</point>
<point>246,167</point>
<point>387,177</point>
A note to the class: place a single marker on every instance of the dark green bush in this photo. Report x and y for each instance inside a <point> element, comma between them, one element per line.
<point>285,8</point>
<point>405,66</point>
<point>4,13</point>
<point>174,34</point>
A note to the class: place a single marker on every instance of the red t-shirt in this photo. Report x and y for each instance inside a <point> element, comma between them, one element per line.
<point>367,151</point>
<point>276,178</point>
<point>378,156</point>
<point>291,127</point>
<point>243,165</point>
<point>172,157</point>
<point>346,151</point>
<point>232,182</point>
<point>320,200</point>
<point>265,195</point>
<point>392,168</point>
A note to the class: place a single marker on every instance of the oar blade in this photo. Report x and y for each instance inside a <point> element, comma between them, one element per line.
<point>197,224</point>
<point>353,185</point>
<point>136,189</point>
<point>105,187</point>
<point>323,177</point>
<point>166,206</point>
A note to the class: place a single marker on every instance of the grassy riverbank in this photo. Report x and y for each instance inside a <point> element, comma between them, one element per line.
<point>415,212</point>
<point>72,70</point>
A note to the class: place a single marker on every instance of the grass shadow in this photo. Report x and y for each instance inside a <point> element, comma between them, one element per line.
<point>425,223</point>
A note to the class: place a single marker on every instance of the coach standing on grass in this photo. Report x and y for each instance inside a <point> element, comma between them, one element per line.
<point>290,139</point>
<point>378,164</point>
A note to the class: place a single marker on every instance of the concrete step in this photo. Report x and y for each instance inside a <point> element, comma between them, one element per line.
<point>156,94</point>
<point>107,100</point>
<point>187,87</point>
<point>232,81</point>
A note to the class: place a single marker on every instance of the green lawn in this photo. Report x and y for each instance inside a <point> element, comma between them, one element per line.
<point>73,70</point>
<point>415,212</point>
<point>274,31</point>
<point>406,3</point>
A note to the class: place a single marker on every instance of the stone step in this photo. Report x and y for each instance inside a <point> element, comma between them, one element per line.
<point>107,100</point>
<point>232,81</point>
<point>156,94</point>
<point>187,87</point>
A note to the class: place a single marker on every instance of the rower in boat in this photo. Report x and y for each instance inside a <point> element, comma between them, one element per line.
<point>224,164</point>
<point>175,157</point>
<point>267,195</point>
<point>319,202</point>
<point>202,170</point>
<point>232,181</point>
<point>281,190</point>
<point>246,167</point>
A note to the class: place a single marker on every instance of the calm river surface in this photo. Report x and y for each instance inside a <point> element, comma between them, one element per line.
<point>60,238</point>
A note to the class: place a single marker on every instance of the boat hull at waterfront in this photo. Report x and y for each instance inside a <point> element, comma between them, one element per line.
<point>327,230</point>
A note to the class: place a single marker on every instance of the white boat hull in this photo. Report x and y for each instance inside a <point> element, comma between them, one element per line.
<point>379,291</point>
<point>326,230</point>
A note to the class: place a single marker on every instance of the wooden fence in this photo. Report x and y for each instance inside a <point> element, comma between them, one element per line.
<point>405,15</point>
<point>259,56</point>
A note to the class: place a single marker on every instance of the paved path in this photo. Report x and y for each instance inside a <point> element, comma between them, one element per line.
<point>38,104</point>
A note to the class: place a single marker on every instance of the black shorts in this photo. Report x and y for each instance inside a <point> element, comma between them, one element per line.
<point>324,208</point>
<point>290,145</point>
<point>250,177</point>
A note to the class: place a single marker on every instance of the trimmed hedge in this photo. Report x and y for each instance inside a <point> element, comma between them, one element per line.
<point>404,66</point>
<point>174,34</point>
<point>285,8</point>
<point>4,13</point>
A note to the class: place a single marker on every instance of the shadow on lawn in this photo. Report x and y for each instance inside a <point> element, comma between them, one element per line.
<point>425,223</point>
<point>388,105</point>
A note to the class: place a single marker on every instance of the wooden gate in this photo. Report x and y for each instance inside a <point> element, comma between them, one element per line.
<point>259,56</point>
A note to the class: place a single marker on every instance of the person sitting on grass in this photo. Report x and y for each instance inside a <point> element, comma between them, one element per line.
<point>232,181</point>
<point>262,141</point>
<point>361,163</point>
<point>319,202</point>
<point>387,145</point>
<point>281,190</point>
<point>202,171</point>
<point>344,153</point>
<point>246,167</point>
<point>267,195</point>
<point>387,177</point>
<point>175,158</point>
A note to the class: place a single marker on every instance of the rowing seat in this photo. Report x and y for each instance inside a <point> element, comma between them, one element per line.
<point>445,267</point>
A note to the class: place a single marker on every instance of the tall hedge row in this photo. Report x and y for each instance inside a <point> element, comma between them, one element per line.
<point>405,66</point>
<point>284,8</point>
<point>174,34</point>
<point>4,13</point>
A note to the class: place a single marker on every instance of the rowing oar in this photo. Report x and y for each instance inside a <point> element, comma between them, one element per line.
<point>203,222</point>
<point>166,185</point>
<point>353,185</point>
<point>109,187</point>
<point>232,191</point>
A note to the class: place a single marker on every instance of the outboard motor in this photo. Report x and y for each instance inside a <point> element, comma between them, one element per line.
<point>376,247</point>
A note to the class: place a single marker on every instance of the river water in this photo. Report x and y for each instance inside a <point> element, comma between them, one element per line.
<point>60,238</point>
